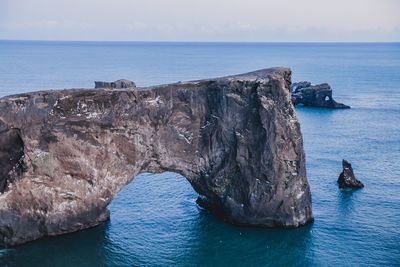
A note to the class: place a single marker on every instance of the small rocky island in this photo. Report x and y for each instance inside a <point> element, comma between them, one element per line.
<point>314,95</point>
<point>65,154</point>
<point>347,179</point>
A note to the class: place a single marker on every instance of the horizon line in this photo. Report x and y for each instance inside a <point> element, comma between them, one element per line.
<point>200,42</point>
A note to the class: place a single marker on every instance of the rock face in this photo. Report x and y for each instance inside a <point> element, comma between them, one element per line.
<point>314,95</point>
<point>347,179</point>
<point>65,154</point>
<point>119,84</point>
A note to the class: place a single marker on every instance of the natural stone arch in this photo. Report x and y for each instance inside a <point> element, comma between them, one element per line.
<point>236,139</point>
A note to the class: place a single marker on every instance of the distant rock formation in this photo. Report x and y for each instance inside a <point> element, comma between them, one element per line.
<point>314,95</point>
<point>66,154</point>
<point>119,84</point>
<point>347,179</point>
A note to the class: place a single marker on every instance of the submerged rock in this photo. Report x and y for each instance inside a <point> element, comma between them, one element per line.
<point>236,139</point>
<point>314,95</point>
<point>347,179</point>
<point>119,84</point>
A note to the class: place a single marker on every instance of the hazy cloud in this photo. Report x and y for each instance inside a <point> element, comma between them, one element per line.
<point>206,20</point>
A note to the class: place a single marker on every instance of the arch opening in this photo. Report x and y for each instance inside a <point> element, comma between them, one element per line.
<point>154,212</point>
<point>152,198</point>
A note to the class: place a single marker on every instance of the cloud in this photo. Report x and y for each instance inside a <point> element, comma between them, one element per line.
<point>206,20</point>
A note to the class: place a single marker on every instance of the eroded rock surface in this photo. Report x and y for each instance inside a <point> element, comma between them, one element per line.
<point>65,154</point>
<point>119,84</point>
<point>319,95</point>
<point>347,179</point>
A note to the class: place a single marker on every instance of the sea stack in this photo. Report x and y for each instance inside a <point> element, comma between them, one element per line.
<point>236,139</point>
<point>319,95</point>
<point>347,179</point>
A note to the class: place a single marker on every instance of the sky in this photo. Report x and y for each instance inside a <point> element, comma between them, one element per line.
<point>201,20</point>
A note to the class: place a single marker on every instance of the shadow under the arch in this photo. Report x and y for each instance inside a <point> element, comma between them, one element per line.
<point>155,221</point>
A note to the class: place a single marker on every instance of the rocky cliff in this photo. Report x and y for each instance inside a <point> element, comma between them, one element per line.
<point>65,154</point>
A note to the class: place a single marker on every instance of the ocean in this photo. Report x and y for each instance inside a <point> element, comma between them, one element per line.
<point>155,220</point>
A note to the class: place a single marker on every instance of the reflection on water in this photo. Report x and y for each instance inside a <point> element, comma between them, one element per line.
<point>83,248</point>
<point>219,244</point>
<point>346,200</point>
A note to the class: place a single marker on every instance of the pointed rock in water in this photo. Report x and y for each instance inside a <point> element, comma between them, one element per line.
<point>347,179</point>
<point>66,154</point>
<point>319,95</point>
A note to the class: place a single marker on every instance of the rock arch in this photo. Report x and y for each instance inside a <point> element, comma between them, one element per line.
<point>236,139</point>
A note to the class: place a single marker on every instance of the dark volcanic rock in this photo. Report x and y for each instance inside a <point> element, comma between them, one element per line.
<point>347,179</point>
<point>119,84</point>
<point>236,139</point>
<point>11,155</point>
<point>314,95</point>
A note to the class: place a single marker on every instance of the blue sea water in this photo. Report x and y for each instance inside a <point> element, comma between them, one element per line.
<point>155,221</point>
